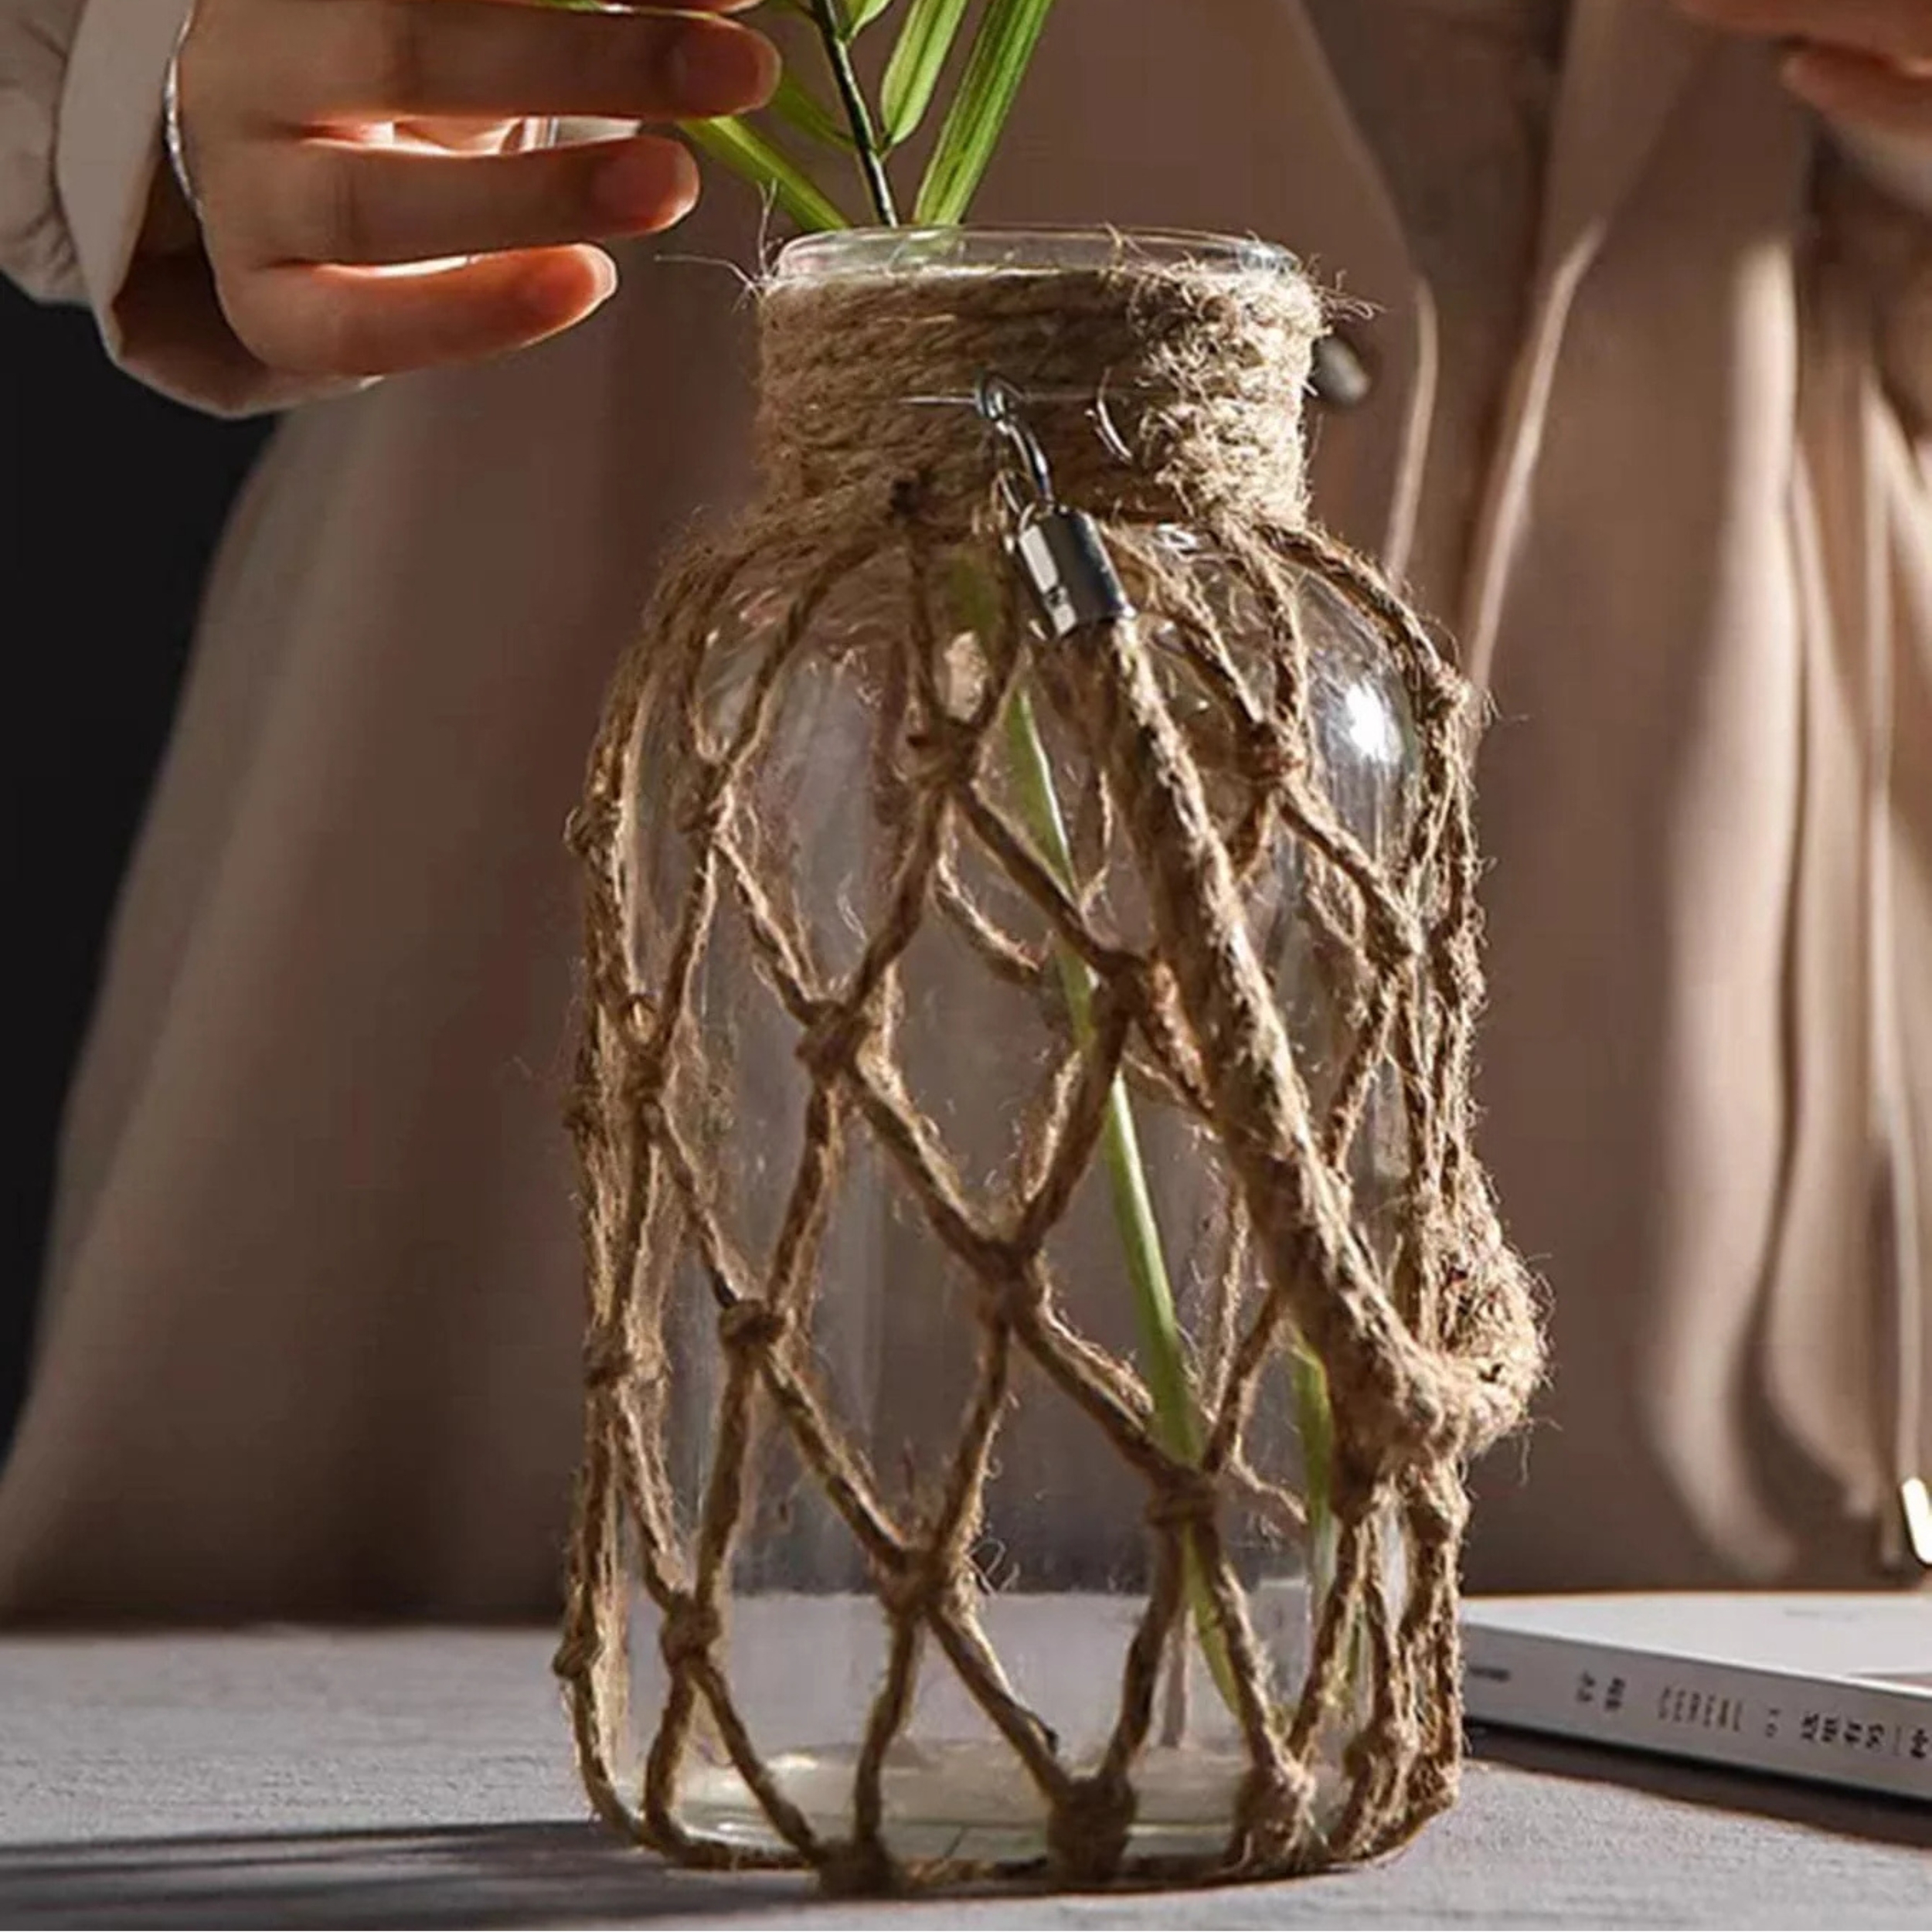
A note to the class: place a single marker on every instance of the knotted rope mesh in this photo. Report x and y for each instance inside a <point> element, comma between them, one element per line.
<point>1428,1339</point>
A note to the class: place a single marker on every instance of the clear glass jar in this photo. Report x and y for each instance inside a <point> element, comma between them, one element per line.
<point>1148,1262</point>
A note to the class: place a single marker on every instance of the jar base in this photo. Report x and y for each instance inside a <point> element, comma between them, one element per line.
<point>969,1801</point>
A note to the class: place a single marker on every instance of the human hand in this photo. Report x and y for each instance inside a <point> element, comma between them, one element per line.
<point>1864,62</point>
<point>332,142</point>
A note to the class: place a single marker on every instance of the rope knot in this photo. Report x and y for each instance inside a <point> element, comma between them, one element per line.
<point>1438,1509</point>
<point>1013,1286</point>
<point>1359,1477</point>
<point>1090,1827</point>
<point>1187,1499</point>
<point>1434,1785</point>
<point>577,1654</point>
<point>1275,1815</point>
<point>608,1359</point>
<point>833,1038</point>
<point>592,827</point>
<point>1270,757</point>
<point>703,817</point>
<point>1395,933</point>
<point>1439,694</point>
<point>1391,1738</point>
<point>691,1628</point>
<point>859,1868</point>
<point>752,1327</point>
<point>917,1584</point>
<point>640,1087</point>
<point>583,1116</point>
<point>946,753</point>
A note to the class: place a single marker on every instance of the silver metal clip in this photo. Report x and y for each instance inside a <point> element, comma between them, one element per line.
<point>1060,553</point>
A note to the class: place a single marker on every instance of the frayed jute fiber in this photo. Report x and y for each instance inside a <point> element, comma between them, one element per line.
<point>875,472</point>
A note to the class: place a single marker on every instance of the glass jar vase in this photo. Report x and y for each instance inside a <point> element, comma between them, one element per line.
<point>965,1489</point>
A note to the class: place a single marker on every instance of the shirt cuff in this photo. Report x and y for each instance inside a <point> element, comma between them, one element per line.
<point>158,311</point>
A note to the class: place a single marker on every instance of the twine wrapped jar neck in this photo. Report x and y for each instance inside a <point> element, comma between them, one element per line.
<point>1164,377</point>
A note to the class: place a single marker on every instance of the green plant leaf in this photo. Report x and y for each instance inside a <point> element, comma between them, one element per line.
<point>748,153</point>
<point>912,75</point>
<point>1009,32</point>
<point>850,17</point>
<point>797,105</point>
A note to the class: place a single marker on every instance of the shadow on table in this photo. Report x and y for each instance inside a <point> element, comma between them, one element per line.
<point>476,1876</point>
<point>516,1875</point>
<point>1849,1814</point>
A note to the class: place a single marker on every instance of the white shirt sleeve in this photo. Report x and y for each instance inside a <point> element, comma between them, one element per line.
<point>81,83</point>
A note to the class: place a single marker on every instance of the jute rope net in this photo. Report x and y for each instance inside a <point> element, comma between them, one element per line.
<point>1430,1350</point>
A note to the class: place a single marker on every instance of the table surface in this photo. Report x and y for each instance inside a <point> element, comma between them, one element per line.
<point>309,1778</point>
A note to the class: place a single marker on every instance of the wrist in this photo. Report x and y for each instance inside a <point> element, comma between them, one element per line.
<point>169,227</point>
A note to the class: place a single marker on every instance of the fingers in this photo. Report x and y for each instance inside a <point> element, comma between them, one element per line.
<point>329,201</point>
<point>334,322</point>
<point>1853,87</point>
<point>1897,30</point>
<point>308,65</point>
<point>333,141</point>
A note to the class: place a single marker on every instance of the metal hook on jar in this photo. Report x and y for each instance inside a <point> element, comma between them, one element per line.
<point>1060,553</point>
<point>1115,444</point>
<point>999,406</point>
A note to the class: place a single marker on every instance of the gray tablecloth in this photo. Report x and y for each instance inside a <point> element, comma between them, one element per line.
<point>423,1778</point>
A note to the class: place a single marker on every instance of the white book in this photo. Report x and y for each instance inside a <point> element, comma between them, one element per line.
<point>1835,1688</point>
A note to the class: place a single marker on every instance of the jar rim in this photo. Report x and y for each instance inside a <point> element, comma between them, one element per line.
<point>871,252</point>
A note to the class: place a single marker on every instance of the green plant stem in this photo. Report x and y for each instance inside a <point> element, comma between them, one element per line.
<point>872,162</point>
<point>1176,1426</point>
<point>1004,53</point>
<point>1315,1425</point>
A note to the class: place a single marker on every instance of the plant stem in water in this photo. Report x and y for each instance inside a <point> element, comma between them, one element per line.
<point>1314,1423</point>
<point>1177,1427</point>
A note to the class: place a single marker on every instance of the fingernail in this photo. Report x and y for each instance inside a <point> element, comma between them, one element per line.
<point>717,68</point>
<point>645,184</point>
<point>550,293</point>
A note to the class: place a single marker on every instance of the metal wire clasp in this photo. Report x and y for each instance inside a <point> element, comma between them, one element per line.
<point>1059,552</point>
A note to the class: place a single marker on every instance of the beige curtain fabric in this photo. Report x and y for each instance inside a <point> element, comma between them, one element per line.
<point>310,1342</point>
